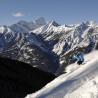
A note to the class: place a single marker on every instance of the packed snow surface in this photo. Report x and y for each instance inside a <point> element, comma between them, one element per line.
<point>80,81</point>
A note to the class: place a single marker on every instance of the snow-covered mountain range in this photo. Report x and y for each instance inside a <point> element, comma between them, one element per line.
<point>26,47</point>
<point>47,45</point>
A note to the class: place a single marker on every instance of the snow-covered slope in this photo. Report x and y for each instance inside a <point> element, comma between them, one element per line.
<point>82,82</point>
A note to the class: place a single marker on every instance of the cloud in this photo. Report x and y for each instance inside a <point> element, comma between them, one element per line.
<point>18,14</point>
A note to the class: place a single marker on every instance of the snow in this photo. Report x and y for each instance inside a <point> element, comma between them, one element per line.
<point>19,37</point>
<point>2,29</point>
<point>82,82</point>
<point>58,48</point>
<point>38,30</point>
<point>51,27</point>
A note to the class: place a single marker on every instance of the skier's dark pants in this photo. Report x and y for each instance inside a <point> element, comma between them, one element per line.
<point>79,62</point>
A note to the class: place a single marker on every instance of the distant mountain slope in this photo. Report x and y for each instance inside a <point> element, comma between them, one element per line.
<point>18,79</point>
<point>24,26</point>
<point>26,47</point>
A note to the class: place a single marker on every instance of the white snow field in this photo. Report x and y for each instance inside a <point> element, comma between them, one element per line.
<point>80,81</point>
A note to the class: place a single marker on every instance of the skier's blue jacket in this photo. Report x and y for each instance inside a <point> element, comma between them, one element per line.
<point>78,57</point>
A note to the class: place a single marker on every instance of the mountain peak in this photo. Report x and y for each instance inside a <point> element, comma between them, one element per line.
<point>40,21</point>
<point>91,23</point>
<point>54,23</point>
<point>22,22</point>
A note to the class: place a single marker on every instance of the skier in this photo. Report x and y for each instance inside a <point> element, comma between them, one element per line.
<point>79,58</point>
